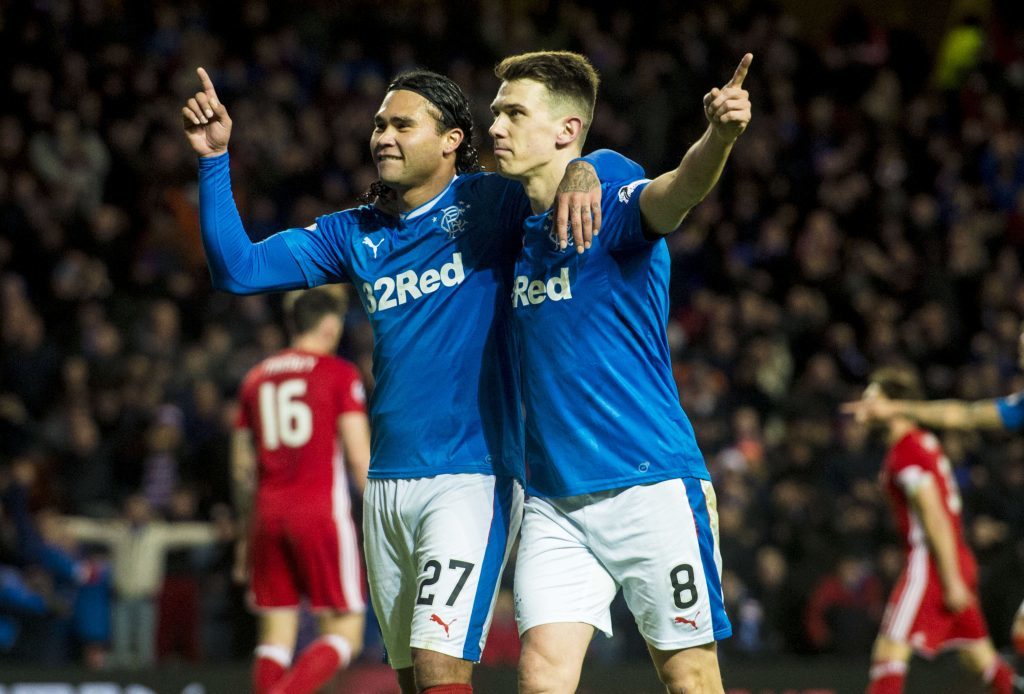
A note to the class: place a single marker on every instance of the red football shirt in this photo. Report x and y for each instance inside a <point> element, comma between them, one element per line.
<point>291,402</point>
<point>914,458</point>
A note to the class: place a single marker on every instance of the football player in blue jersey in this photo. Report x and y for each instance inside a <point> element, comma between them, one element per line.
<point>991,414</point>
<point>432,261</point>
<point>618,494</point>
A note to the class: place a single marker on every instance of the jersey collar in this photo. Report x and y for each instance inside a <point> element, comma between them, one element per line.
<point>428,205</point>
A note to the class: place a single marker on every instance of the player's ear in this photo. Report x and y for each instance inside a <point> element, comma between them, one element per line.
<point>452,139</point>
<point>572,128</point>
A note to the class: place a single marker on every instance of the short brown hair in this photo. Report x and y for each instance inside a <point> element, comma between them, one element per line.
<point>898,382</point>
<point>568,77</point>
<point>304,309</point>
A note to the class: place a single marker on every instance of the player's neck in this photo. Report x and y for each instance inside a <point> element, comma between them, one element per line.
<point>900,427</point>
<point>313,344</point>
<point>542,184</point>
<point>410,198</point>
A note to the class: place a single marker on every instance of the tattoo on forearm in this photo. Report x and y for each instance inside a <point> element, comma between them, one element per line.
<point>579,178</point>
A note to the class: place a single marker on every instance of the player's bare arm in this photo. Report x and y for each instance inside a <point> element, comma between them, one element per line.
<point>243,487</point>
<point>941,540</point>
<point>1018,630</point>
<point>667,200</point>
<point>578,204</point>
<point>206,120</point>
<point>938,414</point>
<point>354,432</point>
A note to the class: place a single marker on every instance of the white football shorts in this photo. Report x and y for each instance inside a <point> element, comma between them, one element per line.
<point>435,550</point>
<point>658,542</point>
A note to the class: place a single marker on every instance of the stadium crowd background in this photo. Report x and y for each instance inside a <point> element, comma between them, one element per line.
<point>873,213</point>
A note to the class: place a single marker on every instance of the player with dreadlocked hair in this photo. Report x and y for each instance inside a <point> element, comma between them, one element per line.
<point>432,265</point>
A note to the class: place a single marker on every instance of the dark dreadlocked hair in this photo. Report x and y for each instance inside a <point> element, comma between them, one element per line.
<point>451,111</point>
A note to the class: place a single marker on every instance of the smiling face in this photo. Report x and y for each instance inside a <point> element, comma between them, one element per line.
<point>406,146</point>
<point>527,131</point>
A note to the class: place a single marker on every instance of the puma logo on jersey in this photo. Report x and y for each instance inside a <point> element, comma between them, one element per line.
<point>371,244</point>
<point>388,292</point>
<point>691,622</point>
<point>525,292</point>
<point>434,618</point>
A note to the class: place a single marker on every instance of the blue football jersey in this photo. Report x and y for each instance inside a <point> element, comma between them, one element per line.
<point>1011,411</point>
<point>434,284</point>
<point>602,408</point>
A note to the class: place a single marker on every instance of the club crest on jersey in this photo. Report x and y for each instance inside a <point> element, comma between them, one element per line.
<point>452,221</point>
<point>555,246</point>
<point>626,192</point>
<point>371,244</point>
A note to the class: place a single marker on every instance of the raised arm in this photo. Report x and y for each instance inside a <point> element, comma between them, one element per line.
<point>935,414</point>
<point>189,534</point>
<point>236,264</point>
<point>89,530</point>
<point>667,200</point>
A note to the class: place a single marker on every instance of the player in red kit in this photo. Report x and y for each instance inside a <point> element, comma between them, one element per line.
<point>934,606</point>
<point>989,414</point>
<point>302,420</point>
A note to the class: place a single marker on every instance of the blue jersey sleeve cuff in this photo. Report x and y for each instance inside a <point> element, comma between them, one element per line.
<point>1011,411</point>
<point>212,163</point>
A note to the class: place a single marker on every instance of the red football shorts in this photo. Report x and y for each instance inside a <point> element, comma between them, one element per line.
<point>916,614</point>
<point>303,552</point>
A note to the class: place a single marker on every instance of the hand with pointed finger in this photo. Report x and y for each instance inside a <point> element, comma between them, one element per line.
<point>578,206</point>
<point>728,108</point>
<point>206,120</point>
<point>877,408</point>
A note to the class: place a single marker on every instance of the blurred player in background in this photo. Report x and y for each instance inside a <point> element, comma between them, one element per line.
<point>432,262</point>
<point>981,415</point>
<point>618,492</point>
<point>934,606</point>
<point>302,420</point>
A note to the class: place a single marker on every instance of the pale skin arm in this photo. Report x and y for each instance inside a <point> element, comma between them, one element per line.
<point>936,414</point>
<point>1018,629</point>
<point>354,431</point>
<point>89,530</point>
<point>189,534</point>
<point>243,487</point>
<point>667,199</point>
<point>940,535</point>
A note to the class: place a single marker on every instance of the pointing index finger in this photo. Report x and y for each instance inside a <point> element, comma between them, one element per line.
<point>207,84</point>
<point>741,71</point>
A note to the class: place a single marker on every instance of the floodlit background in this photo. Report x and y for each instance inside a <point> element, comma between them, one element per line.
<point>873,213</point>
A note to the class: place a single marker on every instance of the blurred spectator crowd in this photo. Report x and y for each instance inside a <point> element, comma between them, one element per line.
<point>873,213</point>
